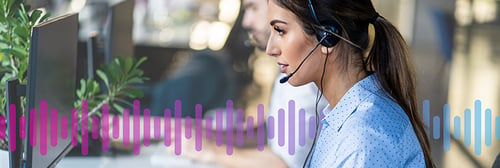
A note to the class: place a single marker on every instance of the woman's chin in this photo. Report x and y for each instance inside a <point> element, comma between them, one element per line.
<point>296,83</point>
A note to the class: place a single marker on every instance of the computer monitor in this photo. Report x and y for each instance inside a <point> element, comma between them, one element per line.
<point>51,77</point>
<point>119,30</point>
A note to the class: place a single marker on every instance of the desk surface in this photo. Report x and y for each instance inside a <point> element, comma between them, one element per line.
<point>154,156</point>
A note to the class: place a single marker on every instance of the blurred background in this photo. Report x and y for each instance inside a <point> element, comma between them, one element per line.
<point>454,43</point>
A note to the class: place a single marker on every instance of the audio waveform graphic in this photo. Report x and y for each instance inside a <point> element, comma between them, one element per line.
<point>172,127</point>
<point>129,127</point>
<point>467,126</point>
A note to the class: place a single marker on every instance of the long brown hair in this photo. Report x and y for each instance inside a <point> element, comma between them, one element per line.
<point>389,56</point>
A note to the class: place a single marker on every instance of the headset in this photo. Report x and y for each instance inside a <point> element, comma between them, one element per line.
<point>327,29</point>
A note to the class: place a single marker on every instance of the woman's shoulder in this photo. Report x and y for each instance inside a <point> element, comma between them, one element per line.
<point>379,115</point>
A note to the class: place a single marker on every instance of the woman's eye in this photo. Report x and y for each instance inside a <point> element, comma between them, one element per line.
<point>279,30</point>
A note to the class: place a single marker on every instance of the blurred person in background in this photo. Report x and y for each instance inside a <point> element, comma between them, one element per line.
<point>256,23</point>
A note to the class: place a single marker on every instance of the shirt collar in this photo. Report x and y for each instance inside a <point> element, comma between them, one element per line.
<point>350,101</point>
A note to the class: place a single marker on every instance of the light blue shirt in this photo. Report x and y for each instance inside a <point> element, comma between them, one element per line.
<point>366,129</point>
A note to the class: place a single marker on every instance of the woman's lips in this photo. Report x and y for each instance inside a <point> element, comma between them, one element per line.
<point>283,67</point>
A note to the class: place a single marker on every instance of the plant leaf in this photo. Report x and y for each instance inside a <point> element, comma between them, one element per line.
<point>103,77</point>
<point>35,16</point>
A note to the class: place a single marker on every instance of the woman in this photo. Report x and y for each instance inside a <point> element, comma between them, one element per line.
<point>372,119</point>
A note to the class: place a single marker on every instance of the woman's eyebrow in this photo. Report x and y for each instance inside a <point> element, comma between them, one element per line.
<point>273,22</point>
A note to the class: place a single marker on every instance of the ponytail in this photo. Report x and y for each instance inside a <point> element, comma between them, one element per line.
<point>390,58</point>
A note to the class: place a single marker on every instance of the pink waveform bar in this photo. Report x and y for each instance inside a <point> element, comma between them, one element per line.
<point>229,127</point>
<point>116,127</point>
<point>43,127</point>
<point>218,127</point>
<point>2,127</point>
<point>137,127</point>
<point>64,127</point>
<point>147,127</point>
<point>22,127</point>
<point>126,127</point>
<point>53,127</point>
<point>95,127</point>
<point>157,127</point>
<point>302,127</point>
<point>291,127</point>
<point>85,126</point>
<point>33,127</point>
<point>312,127</point>
<point>250,127</point>
<point>74,127</point>
<point>270,127</point>
<point>178,133</point>
<point>12,127</point>
<point>208,130</point>
<point>281,127</point>
<point>187,125</point>
<point>260,127</point>
<point>166,127</point>
<point>199,128</point>
<point>239,128</point>
<point>105,127</point>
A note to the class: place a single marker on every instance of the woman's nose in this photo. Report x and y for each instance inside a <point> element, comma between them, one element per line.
<point>272,48</point>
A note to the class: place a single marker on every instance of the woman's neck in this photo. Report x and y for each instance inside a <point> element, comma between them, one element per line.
<point>336,82</point>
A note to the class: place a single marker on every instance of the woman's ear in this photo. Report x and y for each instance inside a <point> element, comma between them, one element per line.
<point>324,50</point>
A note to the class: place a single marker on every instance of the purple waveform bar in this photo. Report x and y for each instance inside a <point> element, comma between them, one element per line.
<point>2,127</point>
<point>74,127</point>
<point>239,127</point>
<point>250,127</point>
<point>178,124</point>
<point>199,128</point>
<point>157,127</point>
<point>147,127</point>
<point>22,127</point>
<point>291,127</point>
<point>126,127</point>
<point>85,128</point>
<point>302,127</point>
<point>137,128</point>
<point>12,127</point>
<point>53,127</point>
<point>260,127</point>
<point>270,127</point>
<point>105,127</point>
<point>33,127</point>
<point>312,127</point>
<point>208,130</point>
<point>166,127</point>
<point>116,127</point>
<point>229,127</point>
<point>218,127</point>
<point>95,127</point>
<point>281,127</point>
<point>187,125</point>
<point>64,127</point>
<point>43,127</point>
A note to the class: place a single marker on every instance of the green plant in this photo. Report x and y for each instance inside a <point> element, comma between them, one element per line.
<point>119,78</point>
<point>16,23</point>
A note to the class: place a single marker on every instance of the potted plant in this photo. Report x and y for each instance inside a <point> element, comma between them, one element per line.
<point>16,22</point>
<point>119,77</point>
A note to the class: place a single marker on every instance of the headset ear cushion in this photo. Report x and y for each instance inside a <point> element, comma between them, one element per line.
<point>330,40</point>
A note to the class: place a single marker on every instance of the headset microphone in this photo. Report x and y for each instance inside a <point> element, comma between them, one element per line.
<point>285,79</point>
